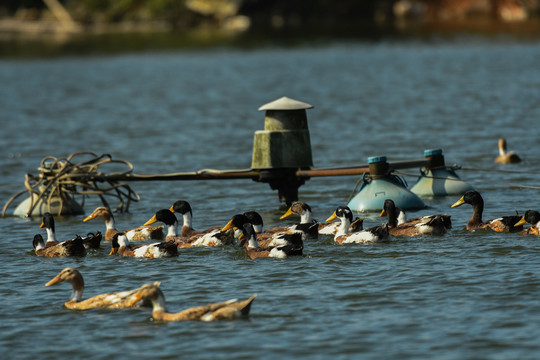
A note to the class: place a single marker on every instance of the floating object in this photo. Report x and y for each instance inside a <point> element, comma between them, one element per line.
<point>380,184</point>
<point>283,147</point>
<point>60,179</point>
<point>281,157</point>
<point>506,157</point>
<point>437,179</point>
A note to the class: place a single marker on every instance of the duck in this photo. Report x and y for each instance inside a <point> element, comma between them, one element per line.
<point>47,223</point>
<point>121,246</point>
<point>504,156</point>
<point>71,247</point>
<point>141,233</point>
<point>227,310</point>
<point>343,234</point>
<point>114,300</point>
<point>532,217</point>
<point>281,246</point>
<point>213,238</point>
<point>502,224</point>
<point>92,241</point>
<point>302,209</point>
<point>184,208</point>
<point>422,225</point>
<point>271,237</point>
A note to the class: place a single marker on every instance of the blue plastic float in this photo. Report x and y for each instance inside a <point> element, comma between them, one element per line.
<point>380,185</point>
<point>438,179</point>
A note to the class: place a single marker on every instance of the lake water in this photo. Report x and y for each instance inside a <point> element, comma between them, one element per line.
<point>459,296</point>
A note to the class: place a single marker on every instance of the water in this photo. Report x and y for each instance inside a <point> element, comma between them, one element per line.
<point>460,296</point>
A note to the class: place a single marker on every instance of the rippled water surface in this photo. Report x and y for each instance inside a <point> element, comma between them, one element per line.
<point>459,296</point>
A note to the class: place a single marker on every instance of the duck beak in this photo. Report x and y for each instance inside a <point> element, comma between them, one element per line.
<point>332,217</point>
<point>88,218</point>
<point>54,281</point>
<point>383,213</point>
<point>287,214</point>
<point>228,226</point>
<point>42,225</point>
<point>172,209</point>
<point>113,251</point>
<point>520,222</point>
<point>151,221</point>
<point>459,202</point>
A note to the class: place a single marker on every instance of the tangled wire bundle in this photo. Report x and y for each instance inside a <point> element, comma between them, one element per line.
<point>64,178</point>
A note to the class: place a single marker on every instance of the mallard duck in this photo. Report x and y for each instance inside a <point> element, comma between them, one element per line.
<point>72,247</point>
<point>115,300</point>
<point>284,244</point>
<point>48,224</point>
<point>306,217</point>
<point>214,238</point>
<point>141,233</point>
<point>422,225</point>
<point>271,237</point>
<point>121,246</point>
<point>532,217</point>
<point>227,310</point>
<point>343,234</point>
<point>502,224</point>
<point>182,207</point>
<point>505,157</point>
<point>92,241</point>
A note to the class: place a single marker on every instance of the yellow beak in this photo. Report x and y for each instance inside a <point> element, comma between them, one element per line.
<point>383,213</point>
<point>112,252</point>
<point>172,209</point>
<point>287,214</point>
<point>332,217</point>
<point>89,217</point>
<point>151,221</point>
<point>42,225</point>
<point>55,280</point>
<point>459,202</point>
<point>228,226</point>
<point>520,222</point>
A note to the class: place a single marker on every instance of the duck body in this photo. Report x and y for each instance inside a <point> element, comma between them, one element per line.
<point>121,246</point>
<point>422,225</point>
<point>141,233</point>
<point>290,244</point>
<point>502,224</point>
<point>188,236</point>
<point>114,300</point>
<point>344,236</point>
<point>532,217</point>
<point>227,310</point>
<point>68,248</point>
<point>504,156</point>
